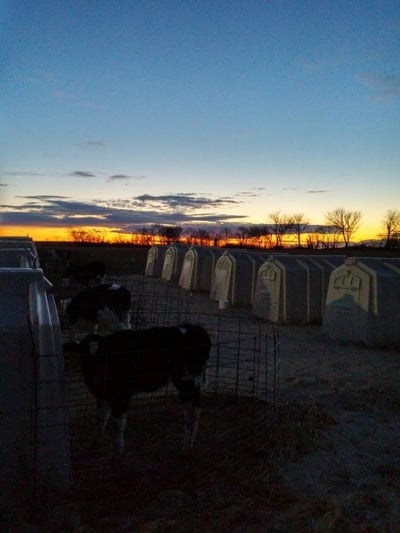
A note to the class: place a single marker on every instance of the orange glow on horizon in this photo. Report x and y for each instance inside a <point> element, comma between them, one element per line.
<point>60,234</point>
<point>56,234</point>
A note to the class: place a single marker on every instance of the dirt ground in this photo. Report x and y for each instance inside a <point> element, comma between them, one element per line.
<point>328,462</point>
<point>355,465</point>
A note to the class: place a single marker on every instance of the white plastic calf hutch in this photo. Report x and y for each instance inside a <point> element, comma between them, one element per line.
<point>234,278</point>
<point>155,261</point>
<point>34,443</point>
<point>393,263</point>
<point>292,289</point>
<point>17,257</point>
<point>198,268</point>
<point>363,303</point>
<point>21,242</point>
<point>173,261</point>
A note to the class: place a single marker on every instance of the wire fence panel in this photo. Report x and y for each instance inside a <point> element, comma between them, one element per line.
<point>239,397</point>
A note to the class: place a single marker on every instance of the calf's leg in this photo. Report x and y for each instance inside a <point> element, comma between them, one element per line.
<point>190,396</point>
<point>125,320</point>
<point>119,424</point>
<point>103,416</point>
<point>191,415</point>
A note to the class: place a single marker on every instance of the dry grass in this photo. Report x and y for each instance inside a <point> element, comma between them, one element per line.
<point>235,479</point>
<point>229,481</point>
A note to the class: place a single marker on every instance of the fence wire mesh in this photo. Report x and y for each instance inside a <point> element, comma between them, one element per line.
<point>239,399</point>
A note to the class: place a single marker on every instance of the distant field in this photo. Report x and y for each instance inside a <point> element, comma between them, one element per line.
<point>54,257</point>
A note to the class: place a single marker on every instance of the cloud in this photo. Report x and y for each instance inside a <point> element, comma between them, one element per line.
<point>99,144</point>
<point>247,194</point>
<point>317,191</point>
<point>124,177</point>
<point>123,215</point>
<point>83,174</point>
<point>183,201</point>
<point>42,197</point>
<point>386,86</point>
<point>17,173</point>
<point>119,177</point>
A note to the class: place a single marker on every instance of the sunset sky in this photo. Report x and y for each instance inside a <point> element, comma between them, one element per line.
<point>124,114</point>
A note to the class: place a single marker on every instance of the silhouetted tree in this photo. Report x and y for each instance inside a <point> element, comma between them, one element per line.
<point>391,223</point>
<point>299,225</point>
<point>199,237</point>
<point>170,234</point>
<point>242,235</point>
<point>345,222</point>
<point>222,235</point>
<point>260,236</point>
<point>282,225</point>
<point>80,235</point>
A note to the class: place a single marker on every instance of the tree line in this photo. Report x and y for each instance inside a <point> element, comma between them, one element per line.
<point>339,229</point>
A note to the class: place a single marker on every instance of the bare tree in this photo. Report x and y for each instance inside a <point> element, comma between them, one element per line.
<point>282,225</point>
<point>299,225</point>
<point>77,234</point>
<point>222,235</point>
<point>170,234</point>
<point>391,223</point>
<point>259,235</point>
<point>242,235</point>
<point>346,222</point>
<point>80,235</point>
<point>198,236</point>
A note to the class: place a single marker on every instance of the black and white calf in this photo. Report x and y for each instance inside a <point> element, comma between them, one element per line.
<point>126,362</point>
<point>87,304</point>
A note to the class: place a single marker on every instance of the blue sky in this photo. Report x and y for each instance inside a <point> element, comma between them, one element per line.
<point>125,113</point>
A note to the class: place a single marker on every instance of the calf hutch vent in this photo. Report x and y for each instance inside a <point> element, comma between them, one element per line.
<point>292,289</point>
<point>363,302</point>
<point>34,444</point>
<point>235,277</point>
<point>173,261</point>
<point>155,261</point>
<point>198,268</point>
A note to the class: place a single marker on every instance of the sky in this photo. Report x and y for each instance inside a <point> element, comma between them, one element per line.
<point>131,113</point>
